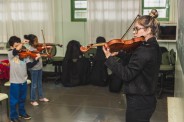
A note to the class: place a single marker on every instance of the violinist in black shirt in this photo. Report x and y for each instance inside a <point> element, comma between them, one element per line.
<point>140,74</point>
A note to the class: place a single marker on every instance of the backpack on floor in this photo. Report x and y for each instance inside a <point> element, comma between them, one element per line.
<point>74,66</point>
<point>98,72</point>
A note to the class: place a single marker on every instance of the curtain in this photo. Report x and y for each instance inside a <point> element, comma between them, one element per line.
<point>20,17</point>
<point>173,11</point>
<point>111,18</point>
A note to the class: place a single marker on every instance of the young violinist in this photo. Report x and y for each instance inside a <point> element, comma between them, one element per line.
<point>18,79</point>
<point>140,75</point>
<point>36,73</point>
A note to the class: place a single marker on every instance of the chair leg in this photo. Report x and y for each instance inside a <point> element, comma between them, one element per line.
<point>122,99</point>
<point>1,108</point>
<point>29,90</point>
<point>161,86</point>
<point>58,71</point>
<point>7,107</point>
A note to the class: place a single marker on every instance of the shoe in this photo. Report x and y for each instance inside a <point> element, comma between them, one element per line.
<point>27,117</point>
<point>34,103</point>
<point>15,120</point>
<point>44,100</point>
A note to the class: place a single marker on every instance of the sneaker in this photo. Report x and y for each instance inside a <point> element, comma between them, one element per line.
<point>25,116</point>
<point>15,120</point>
<point>44,100</point>
<point>34,103</point>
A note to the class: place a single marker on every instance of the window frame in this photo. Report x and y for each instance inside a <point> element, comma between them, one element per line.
<point>73,19</point>
<point>167,18</point>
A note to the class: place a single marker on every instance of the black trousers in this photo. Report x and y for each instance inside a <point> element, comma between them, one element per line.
<point>140,108</point>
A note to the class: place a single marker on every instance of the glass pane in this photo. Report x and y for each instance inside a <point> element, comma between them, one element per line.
<point>80,14</point>
<point>154,3</point>
<point>161,12</point>
<point>167,32</point>
<point>80,4</point>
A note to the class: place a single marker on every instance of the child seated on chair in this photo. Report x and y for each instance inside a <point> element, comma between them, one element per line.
<point>18,79</point>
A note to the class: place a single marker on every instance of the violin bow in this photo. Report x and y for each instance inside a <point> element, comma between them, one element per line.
<point>130,26</point>
<point>44,43</point>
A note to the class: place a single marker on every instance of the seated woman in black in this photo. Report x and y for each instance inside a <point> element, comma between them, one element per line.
<point>75,66</point>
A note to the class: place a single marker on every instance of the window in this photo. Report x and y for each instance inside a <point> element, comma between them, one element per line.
<point>162,7</point>
<point>79,10</point>
<point>167,32</point>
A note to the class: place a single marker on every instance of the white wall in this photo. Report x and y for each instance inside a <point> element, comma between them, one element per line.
<point>179,80</point>
<point>65,29</point>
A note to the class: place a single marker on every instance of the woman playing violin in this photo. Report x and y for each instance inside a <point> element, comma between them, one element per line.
<point>140,75</point>
<point>36,73</point>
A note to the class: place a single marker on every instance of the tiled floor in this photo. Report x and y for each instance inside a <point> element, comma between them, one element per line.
<point>82,104</point>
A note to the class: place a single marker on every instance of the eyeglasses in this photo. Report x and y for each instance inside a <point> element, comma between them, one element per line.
<point>136,29</point>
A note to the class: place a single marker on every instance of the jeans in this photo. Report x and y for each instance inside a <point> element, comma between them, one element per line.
<point>140,108</point>
<point>36,84</point>
<point>18,94</point>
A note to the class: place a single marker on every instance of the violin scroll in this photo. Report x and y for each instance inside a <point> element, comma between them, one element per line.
<point>85,49</point>
<point>32,54</point>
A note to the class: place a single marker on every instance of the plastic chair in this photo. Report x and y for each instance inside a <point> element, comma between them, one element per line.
<point>56,61</point>
<point>90,53</point>
<point>167,70</point>
<point>4,96</point>
<point>7,84</point>
<point>163,49</point>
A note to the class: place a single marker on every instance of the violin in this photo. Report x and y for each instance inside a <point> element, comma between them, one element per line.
<point>117,45</point>
<point>41,47</point>
<point>25,54</point>
<point>31,54</point>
